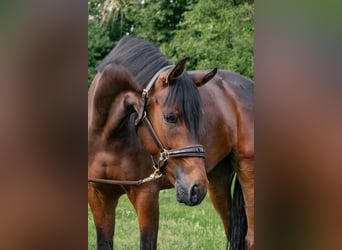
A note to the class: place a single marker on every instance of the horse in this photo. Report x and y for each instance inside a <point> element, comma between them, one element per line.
<point>153,125</point>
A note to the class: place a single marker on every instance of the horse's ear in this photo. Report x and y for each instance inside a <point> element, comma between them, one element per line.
<point>177,71</point>
<point>202,78</point>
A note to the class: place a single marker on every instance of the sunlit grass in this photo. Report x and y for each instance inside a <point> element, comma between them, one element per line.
<point>180,226</point>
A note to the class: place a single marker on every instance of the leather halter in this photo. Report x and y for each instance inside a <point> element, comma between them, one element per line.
<point>164,154</point>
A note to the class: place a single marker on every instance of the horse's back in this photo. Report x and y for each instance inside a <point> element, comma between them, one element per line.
<point>243,89</point>
<point>242,86</point>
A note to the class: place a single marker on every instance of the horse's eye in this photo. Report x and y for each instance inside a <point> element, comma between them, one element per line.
<point>170,118</point>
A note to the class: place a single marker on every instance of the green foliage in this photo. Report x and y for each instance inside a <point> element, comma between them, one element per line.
<point>213,33</point>
<point>216,34</point>
<point>99,44</point>
<point>156,20</point>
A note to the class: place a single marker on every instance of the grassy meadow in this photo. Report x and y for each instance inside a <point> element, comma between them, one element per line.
<point>180,227</point>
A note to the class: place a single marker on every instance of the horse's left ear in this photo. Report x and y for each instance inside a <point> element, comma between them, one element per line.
<point>202,78</point>
<point>177,71</point>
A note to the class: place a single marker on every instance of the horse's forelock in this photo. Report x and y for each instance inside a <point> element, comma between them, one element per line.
<point>184,94</point>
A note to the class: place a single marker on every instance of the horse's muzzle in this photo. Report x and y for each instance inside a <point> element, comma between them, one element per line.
<point>190,196</point>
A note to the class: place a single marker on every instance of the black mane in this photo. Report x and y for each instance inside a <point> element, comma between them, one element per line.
<point>143,59</point>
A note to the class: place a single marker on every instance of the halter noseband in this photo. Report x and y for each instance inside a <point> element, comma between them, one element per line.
<point>164,154</point>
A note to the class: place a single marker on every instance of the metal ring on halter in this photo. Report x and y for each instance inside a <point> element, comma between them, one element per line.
<point>145,93</point>
<point>164,155</point>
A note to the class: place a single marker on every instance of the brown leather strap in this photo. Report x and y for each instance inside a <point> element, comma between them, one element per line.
<point>193,150</point>
<point>115,182</point>
<point>145,92</point>
<point>154,176</point>
<point>153,134</point>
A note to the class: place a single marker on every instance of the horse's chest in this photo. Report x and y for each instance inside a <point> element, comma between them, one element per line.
<point>106,165</point>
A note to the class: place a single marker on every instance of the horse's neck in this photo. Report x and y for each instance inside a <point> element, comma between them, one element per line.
<point>120,130</point>
<point>108,114</point>
<point>117,141</point>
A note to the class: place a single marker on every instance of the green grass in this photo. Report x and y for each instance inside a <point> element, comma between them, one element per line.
<point>180,226</point>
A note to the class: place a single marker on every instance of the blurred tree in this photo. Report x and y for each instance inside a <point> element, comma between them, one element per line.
<point>157,20</point>
<point>216,34</point>
<point>101,32</point>
<point>109,20</point>
<point>99,44</point>
<point>154,20</point>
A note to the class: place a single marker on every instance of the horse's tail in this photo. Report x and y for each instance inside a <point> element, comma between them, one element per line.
<point>238,221</point>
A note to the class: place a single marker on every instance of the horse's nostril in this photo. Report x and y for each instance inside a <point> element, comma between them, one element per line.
<point>194,195</point>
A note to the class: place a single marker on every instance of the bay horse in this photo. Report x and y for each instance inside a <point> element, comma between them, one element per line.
<point>152,126</point>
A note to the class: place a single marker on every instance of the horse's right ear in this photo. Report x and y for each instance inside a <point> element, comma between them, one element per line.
<point>177,71</point>
<point>202,78</point>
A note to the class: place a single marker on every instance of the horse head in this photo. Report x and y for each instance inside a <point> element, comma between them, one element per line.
<point>173,109</point>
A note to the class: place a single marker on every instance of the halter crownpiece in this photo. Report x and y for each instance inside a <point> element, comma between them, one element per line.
<point>145,92</point>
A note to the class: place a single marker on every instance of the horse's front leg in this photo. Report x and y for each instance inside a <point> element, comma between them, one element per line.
<point>145,202</point>
<point>103,202</point>
<point>220,179</point>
